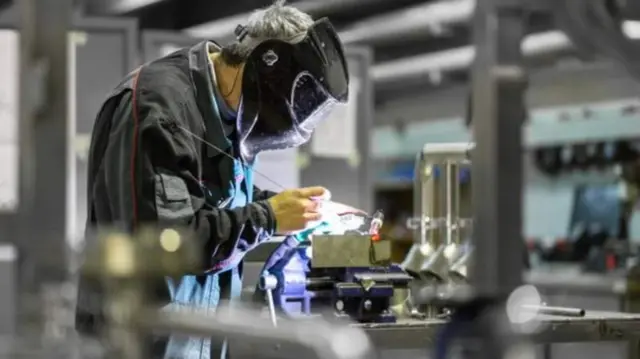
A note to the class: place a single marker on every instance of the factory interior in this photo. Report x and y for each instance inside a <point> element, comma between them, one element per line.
<point>490,147</point>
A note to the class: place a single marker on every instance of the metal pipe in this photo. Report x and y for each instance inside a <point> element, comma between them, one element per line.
<point>559,311</point>
<point>422,20</point>
<point>434,64</point>
<point>460,58</point>
<point>425,192</point>
<point>434,223</point>
<point>438,216</point>
<point>450,174</point>
<point>457,193</point>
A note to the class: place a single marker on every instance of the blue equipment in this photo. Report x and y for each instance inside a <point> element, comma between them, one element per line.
<point>352,276</point>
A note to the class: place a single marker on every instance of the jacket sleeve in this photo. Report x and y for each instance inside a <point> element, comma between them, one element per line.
<point>152,169</point>
<point>262,195</point>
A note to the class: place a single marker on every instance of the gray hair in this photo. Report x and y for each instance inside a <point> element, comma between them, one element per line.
<point>278,21</point>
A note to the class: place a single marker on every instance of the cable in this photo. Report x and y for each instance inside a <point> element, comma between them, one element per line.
<point>246,166</point>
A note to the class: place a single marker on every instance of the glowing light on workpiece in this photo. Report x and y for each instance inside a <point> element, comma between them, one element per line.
<point>170,240</point>
<point>450,250</point>
<point>426,249</point>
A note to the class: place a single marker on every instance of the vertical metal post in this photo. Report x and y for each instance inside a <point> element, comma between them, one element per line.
<point>43,140</point>
<point>631,304</point>
<point>452,188</point>
<point>498,113</point>
<point>424,208</point>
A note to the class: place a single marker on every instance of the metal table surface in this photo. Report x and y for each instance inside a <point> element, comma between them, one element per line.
<point>594,326</point>
<point>615,283</point>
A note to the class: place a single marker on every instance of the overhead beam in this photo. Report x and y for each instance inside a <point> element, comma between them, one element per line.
<point>116,7</point>
<point>432,65</point>
<point>417,21</point>
<point>223,28</point>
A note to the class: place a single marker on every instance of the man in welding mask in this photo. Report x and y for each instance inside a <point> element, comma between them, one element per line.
<point>175,143</point>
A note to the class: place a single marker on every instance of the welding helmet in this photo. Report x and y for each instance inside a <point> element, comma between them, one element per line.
<point>288,87</point>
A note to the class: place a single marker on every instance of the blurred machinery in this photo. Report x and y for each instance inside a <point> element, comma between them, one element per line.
<point>129,267</point>
<point>441,251</point>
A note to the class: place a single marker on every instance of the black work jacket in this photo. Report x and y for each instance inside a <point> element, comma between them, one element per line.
<point>155,160</point>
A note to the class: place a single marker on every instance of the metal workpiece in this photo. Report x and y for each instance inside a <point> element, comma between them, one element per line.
<point>437,221</point>
<point>427,263</point>
<point>498,113</point>
<point>459,268</point>
<point>437,192</point>
<point>334,251</point>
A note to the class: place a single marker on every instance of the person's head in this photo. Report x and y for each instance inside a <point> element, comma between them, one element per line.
<point>286,71</point>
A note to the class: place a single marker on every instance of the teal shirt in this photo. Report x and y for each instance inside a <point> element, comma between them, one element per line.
<point>189,292</point>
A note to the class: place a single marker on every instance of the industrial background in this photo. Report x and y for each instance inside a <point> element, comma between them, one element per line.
<point>411,64</point>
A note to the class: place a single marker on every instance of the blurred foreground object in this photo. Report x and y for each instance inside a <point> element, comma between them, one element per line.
<point>128,267</point>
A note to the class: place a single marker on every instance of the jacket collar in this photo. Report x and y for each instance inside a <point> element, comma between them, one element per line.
<point>217,131</point>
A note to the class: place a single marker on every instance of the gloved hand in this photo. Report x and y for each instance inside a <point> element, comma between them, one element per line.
<point>333,220</point>
<point>295,209</point>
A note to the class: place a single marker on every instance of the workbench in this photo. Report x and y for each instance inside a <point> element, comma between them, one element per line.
<point>595,326</point>
<point>412,338</point>
<point>567,286</point>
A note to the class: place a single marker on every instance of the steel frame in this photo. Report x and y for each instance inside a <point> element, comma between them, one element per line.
<point>43,137</point>
<point>498,113</point>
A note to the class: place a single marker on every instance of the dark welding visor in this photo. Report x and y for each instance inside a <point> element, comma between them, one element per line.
<point>289,86</point>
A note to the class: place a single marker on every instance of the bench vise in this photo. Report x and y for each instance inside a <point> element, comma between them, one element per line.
<point>348,275</point>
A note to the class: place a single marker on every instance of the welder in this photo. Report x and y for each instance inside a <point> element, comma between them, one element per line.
<point>175,143</point>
